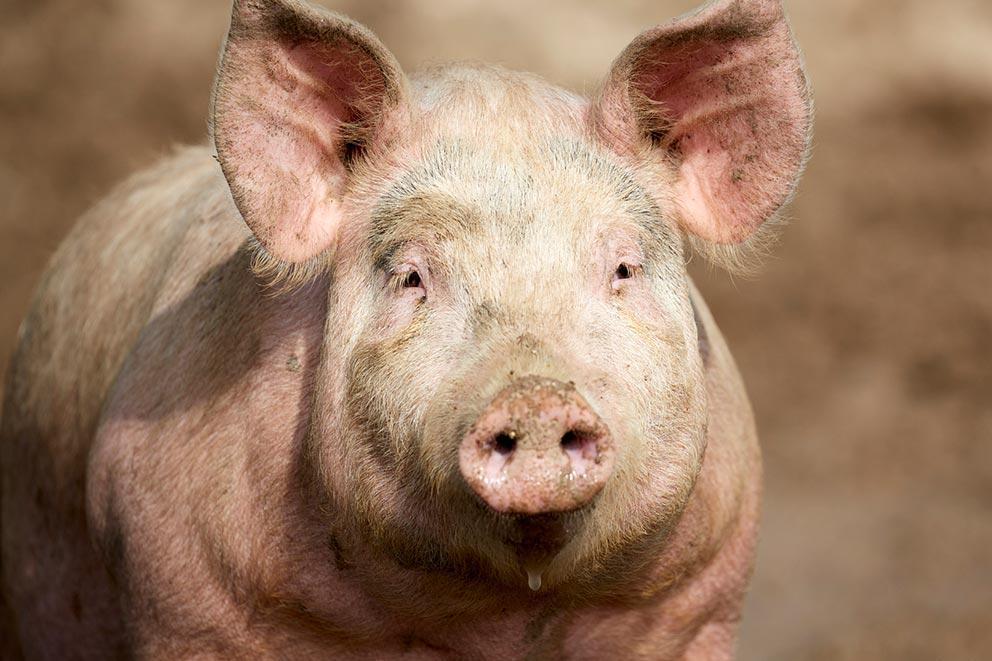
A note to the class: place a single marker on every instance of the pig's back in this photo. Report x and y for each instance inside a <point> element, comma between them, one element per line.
<point>97,294</point>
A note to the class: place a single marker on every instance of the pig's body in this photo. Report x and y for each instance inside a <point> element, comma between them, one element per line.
<point>199,465</point>
<point>196,378</point>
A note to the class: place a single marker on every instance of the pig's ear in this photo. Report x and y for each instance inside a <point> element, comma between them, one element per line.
<point>300,94</point>
<point>721,96</point>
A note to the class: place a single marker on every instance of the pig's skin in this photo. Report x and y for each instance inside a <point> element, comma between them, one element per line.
<point>176,471</point>
<point>161,257</point>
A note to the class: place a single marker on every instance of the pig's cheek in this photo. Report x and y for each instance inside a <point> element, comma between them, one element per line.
<point>650,319</point>
<point>397,315</point>
<point>640,308</point>
<point>660,365</point>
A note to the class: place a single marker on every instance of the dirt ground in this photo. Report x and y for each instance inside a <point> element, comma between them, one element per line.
<point>865,339</point>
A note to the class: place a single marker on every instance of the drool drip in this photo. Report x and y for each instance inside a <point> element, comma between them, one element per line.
<point>534,579</point>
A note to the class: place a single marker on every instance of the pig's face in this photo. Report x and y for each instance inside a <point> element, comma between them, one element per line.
<point>511,381</point>
<point>494,255</point>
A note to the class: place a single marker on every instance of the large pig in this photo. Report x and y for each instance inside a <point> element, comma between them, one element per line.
<point>406,367</point>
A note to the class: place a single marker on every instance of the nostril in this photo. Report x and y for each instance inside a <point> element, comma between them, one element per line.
<point>571,440</point>
<point>581,448</point>
<point>505,443</point>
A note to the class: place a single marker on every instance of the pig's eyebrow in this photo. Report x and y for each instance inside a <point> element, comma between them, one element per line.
<point>421,216</point>
<point>656,238</point>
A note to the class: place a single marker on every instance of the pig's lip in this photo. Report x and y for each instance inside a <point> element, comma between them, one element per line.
<point>536,539</point>
<point>539,532</point>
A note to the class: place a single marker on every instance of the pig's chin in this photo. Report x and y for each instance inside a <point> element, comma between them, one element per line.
<point>464,539</point>
<point>453,539</point>
<point>565,554</point>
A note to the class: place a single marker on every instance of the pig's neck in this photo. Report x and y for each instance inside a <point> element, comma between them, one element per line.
<point>686,605</point>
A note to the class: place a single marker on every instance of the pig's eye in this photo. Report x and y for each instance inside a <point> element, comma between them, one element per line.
<point>409,280</point>
<point>625,271</point>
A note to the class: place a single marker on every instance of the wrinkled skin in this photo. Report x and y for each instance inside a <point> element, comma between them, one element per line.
<point>199,463</point>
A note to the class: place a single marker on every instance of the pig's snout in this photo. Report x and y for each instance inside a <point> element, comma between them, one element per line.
<point>538,447</point>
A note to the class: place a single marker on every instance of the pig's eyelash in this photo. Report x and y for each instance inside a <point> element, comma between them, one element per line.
<point>409,278</point>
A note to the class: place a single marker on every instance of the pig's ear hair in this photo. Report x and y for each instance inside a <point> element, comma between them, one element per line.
<point>301,95</point>
<point>719,97</point>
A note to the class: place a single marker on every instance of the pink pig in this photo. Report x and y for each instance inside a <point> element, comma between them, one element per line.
<point>446,392</point>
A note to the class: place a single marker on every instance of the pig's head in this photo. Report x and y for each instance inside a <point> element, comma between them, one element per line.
<point>511,380</point>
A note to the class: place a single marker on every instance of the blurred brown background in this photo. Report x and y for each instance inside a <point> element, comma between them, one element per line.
<point>866,340</point>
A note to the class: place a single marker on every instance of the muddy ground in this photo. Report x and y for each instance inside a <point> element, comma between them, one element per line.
<point>865,339</point>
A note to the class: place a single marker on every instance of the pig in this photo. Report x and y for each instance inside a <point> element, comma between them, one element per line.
<point>407,366</point>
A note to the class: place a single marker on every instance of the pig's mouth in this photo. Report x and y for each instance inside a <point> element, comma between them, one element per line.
<point>535,540</point>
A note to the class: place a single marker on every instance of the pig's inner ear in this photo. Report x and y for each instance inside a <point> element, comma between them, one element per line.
<point>721,96</point>
<point>299,93</point>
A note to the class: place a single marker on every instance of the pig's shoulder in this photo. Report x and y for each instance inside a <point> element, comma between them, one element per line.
<point>216,376</point>
<point>100,288</point>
